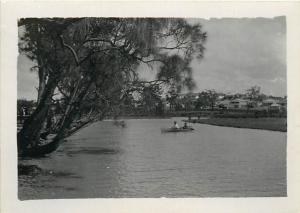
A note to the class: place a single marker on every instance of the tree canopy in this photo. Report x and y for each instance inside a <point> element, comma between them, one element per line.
<point>92,63</point>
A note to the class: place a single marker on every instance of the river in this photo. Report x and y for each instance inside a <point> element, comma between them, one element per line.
<point>106,161</point>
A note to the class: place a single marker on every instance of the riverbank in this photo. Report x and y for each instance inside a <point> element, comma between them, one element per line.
<point>143,117</point>
<point>273,124</point>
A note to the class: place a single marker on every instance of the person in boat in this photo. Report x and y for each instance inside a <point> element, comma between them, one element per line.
<point>175,126</point>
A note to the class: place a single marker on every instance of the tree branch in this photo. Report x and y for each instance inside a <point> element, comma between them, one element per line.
<point>70,48</point>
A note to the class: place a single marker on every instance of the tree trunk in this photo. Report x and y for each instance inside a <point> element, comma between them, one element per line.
<point>71,112</point>
<point>42,72</point>
<point>68,107</point>
<point>29,136</point>
<point>42,84</point>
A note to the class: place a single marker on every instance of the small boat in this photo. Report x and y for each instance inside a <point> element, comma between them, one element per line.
<point>181,129</point>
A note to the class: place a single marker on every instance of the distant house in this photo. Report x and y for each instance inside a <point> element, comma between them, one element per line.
<point>223,104</point>
<point>238,104</point>
<point>269,102</point>
<point>283,103</point>
<point>259,103</point>
<point>275,106</point>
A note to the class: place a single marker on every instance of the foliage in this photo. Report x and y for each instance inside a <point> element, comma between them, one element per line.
<point>253,93</point>
<point>92,63</point>
<point>206,98</point>
<point>23,104</point>
<point>151,98</point>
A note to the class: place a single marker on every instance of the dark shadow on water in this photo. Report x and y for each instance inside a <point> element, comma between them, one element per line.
<point>70,188</point>
<point>34,170</point>
<point>93,151</point>
<point>28,170</point>
<point>61,174</point>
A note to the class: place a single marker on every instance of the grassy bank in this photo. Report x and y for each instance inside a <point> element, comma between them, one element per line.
<point>274,124</point>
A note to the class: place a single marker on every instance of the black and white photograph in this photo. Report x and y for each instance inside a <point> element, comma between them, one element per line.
<point>116,107</point>
<point>149,107</point>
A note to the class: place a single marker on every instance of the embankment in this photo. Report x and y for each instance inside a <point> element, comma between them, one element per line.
<point>273,124</point>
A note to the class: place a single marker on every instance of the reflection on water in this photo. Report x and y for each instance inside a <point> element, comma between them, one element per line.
<point>139,161</point>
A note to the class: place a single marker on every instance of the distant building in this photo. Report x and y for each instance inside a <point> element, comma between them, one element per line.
<point>283,103</point>
<point>238,104</point>
<point>224,104</point>
<point>275,106</point>
<point>269,102</point>
<point>189,101</point>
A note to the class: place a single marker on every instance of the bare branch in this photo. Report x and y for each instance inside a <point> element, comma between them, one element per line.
<point>70,48</point>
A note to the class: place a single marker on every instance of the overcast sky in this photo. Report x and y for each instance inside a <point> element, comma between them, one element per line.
<point>240,53</point>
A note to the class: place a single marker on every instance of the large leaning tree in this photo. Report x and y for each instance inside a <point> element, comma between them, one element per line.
<point>90,65</point>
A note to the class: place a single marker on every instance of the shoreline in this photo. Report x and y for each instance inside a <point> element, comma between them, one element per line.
<point>271,124</point>
<point>143,117</point>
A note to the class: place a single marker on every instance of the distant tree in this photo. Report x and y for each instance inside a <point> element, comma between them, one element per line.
<point>189,102</point>
<point>172,97</point>
<point>207,98</point>
<point>254,96</point>
<point>151,98</point>
<point>128,104</point>
<point>253,93</point>
<point>201,101</point>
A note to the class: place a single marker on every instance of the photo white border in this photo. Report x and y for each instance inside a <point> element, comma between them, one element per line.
<point>11,11</point>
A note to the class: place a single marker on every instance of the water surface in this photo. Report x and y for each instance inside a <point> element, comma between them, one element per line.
<point>106,161</point>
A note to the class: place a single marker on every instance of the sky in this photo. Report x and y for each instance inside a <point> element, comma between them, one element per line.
<point>240,53</point>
